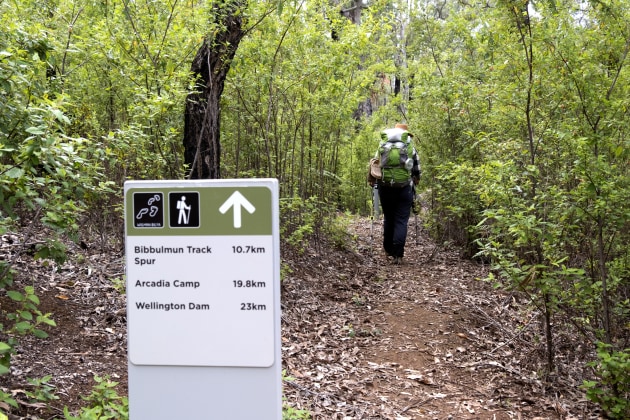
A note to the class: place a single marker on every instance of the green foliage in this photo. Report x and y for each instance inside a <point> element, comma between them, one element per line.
<point>457,204</point>
<point>354,190</point>
<point>6,274</point>
<point>612,390</point>
<point>291,97</point>
<point>299,221</point>
<point>135,102</point>
<point>5,353</point>
<point>51,250</point>
<point>285,271</point>
<point>336,230</point>
<point>27,319</point>
<point>523,135</point>
<point>103,403</point>
<point>46,175</point>
<point>42,391</point>
<point>8,400</point>
<point>119,284</point>
<point>288,412</point>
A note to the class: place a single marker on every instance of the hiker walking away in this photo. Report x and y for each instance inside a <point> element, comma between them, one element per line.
<point>400,172</point>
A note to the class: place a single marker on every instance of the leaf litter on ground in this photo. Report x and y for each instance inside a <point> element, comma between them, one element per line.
<point>361,338</point>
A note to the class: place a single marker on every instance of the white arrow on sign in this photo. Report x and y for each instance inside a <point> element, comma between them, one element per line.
<point>237,200</point>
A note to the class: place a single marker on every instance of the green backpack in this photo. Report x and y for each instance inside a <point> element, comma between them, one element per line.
<point>395,153</point>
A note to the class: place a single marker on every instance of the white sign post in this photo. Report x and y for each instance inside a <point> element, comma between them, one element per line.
<point>203,299</point>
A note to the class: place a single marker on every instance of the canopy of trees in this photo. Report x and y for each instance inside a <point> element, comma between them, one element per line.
<point>520,109</point>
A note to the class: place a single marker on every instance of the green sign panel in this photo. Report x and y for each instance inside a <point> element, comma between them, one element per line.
<point>199,210</point>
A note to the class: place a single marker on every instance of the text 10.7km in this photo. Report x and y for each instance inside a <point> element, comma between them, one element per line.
<point>248,249</point>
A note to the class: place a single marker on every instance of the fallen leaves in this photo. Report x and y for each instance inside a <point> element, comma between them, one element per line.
<point>361,339</point>
<point>402,342</point>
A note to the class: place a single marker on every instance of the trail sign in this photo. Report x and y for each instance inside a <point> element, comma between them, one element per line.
<point>203,299</point>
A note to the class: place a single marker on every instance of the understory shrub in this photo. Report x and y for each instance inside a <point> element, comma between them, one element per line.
<point>612,389</point>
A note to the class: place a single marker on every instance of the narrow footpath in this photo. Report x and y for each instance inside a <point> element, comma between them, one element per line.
<point>365,339</point>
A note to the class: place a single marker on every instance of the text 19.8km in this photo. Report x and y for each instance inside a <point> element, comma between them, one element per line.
<point>249,283</point>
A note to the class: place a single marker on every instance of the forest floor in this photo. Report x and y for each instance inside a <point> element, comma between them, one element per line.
<point>361,338</point>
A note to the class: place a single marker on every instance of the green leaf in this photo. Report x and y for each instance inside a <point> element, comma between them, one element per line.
<point>60,117</point>
<point>15,173</point>
<point>26,315</point>
<point>40,334</point>
<point>33,298</point>
<point>16,296</point>
<point>619,151</point>
<point>23,326</point>
<point>6,398</point>
<point>35,130</point>
<point>43,319</point>
<point>4,347</point>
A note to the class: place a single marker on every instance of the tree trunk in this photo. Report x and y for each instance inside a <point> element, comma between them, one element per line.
<point>202,146</point>
<point>548,325</point>
<point>353,13</point>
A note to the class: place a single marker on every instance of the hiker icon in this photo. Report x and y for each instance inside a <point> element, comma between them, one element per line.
<point>151,210</point>
<point>184,211</point>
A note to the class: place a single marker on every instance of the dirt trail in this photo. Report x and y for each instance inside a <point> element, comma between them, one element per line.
<point>365,339</point>
<point>362,339</point>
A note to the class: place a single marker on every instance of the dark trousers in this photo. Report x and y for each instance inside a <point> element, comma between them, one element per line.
<point>396,203</point>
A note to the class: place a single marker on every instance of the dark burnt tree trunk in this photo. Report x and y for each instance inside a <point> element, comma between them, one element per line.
<point>202,146</point>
